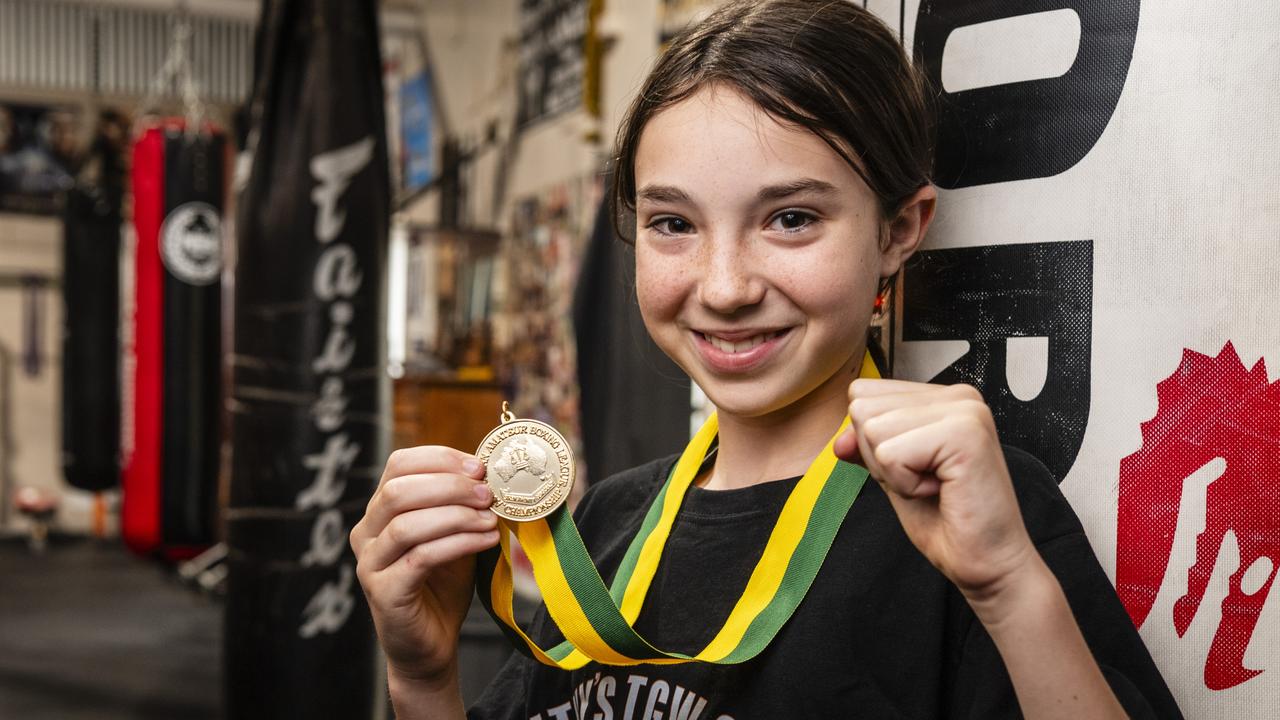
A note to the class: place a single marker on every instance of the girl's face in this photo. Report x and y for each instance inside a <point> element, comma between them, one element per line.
<point>757,254</point>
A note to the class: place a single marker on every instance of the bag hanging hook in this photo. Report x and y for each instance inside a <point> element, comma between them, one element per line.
<point>177,68</point>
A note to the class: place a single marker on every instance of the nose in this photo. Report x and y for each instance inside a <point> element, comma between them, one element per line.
<point>731,278</point>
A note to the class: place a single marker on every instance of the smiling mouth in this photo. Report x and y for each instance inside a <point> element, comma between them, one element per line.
<point>740,346</point>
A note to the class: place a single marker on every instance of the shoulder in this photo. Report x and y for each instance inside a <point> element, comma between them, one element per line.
<point>1045,510</point>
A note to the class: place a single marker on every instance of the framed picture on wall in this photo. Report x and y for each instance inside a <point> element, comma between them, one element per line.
<point>38,149</point>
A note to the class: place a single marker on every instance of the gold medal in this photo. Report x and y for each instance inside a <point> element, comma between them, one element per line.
<point>528,466</point>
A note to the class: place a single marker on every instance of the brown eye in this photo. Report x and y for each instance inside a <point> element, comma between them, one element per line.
<point>791,220</point>
<point>671,225</point>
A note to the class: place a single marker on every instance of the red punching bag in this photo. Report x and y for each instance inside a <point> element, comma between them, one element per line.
<point>170,472</point>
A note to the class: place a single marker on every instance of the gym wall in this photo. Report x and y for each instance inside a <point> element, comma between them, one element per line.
<point>30,430</point>
<point>472,51</point>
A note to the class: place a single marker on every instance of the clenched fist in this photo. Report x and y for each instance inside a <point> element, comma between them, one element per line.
<point>934,450</point>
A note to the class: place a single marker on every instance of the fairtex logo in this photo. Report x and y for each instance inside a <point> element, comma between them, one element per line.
<point>1211,408</point>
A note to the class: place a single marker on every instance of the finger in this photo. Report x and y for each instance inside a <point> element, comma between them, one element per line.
<point>404,577</point>
<point>914,462</point>
<point>411,492</point>
<point>426,459</point>
<point>872,387</point>
<point>894,421</point>
<point>867,457</point>
<point>422,526</point>
<point>867,387</point>
<point>846,446</point>
<point>864,407</point>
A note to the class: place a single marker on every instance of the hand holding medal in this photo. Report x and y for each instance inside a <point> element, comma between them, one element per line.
<point>415,550</point>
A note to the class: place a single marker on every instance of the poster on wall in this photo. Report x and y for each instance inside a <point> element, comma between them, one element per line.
<point>552,38</point>
<point>37,157</point>
<point>536,270</point>
<point>1103,267</point>
<point>417,151</point>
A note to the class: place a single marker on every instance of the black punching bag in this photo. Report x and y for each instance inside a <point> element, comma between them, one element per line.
<point>91,324</point>
<point>615,357</point>
<point>309,390</point>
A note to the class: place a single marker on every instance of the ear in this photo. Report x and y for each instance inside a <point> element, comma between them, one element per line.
<point>906,230</point>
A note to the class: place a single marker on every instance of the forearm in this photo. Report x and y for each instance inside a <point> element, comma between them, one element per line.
<point>1054,674</point>
<point>415,700</point>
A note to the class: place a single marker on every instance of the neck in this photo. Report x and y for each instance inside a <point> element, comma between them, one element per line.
<point>783,443</point>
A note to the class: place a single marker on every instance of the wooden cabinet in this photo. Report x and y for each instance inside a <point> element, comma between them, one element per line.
<point>445,411</point>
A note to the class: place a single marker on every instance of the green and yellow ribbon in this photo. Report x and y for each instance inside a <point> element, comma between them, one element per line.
<point>598,621</point>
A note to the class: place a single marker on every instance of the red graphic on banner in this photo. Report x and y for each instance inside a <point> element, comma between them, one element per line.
<point>1211,407</point>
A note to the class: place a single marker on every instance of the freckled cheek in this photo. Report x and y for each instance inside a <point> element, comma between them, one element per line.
<point>662,285</point>
<point>825,285</point>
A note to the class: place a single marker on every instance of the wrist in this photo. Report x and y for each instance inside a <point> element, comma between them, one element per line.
<point>1027,591</point>
<point>1053,671</point>
<point>439,695</point>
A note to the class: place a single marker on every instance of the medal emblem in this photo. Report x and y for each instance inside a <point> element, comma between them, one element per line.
<point>528,466</point>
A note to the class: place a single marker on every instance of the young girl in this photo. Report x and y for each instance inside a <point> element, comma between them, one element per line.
<point>777,163</point>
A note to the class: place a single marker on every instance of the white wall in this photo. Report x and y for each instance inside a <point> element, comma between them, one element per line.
<point>32,244</point>
<point>473,48</point>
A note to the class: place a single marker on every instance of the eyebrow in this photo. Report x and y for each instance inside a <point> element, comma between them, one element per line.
<point>662,194</point>
<point>786,190</point>
<point>673,194</point>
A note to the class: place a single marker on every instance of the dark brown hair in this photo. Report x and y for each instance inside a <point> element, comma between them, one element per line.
<point>828,66</point>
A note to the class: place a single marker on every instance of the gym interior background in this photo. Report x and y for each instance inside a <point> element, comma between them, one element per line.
<point>490,123</point>
<point>249,246</point>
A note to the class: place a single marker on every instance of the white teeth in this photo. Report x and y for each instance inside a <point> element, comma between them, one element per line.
<point>740,346</point>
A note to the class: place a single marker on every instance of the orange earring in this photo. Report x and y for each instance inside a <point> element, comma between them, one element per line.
<point>881,305</point>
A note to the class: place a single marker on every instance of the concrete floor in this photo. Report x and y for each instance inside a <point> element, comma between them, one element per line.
<point>88,630</point>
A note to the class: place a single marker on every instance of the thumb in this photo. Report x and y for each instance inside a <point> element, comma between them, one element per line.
<point>846,446</point>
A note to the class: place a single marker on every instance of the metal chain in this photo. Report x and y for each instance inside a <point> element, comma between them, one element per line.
<point>177,65</point>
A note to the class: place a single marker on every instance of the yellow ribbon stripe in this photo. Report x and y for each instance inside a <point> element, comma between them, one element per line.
<point>651,553</point>
<point>501,596</point>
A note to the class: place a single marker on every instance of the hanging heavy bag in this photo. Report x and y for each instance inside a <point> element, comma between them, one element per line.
<point>170,475</point>
<point>615,353</point>
<point>309,382</point>
<point>91,324</point>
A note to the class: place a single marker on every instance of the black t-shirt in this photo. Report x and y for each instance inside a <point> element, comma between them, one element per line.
<point>881,633</point>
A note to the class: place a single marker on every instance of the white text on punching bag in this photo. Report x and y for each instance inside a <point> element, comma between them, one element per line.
<point>336,279</point>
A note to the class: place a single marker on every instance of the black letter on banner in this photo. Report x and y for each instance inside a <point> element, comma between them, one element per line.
<point>1035,128</point>
<point>986,295</point>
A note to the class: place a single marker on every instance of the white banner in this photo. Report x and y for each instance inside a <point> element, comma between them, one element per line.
<point>1104,266</point>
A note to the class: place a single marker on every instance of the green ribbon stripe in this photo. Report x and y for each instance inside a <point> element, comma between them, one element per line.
<point>622,575</point>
